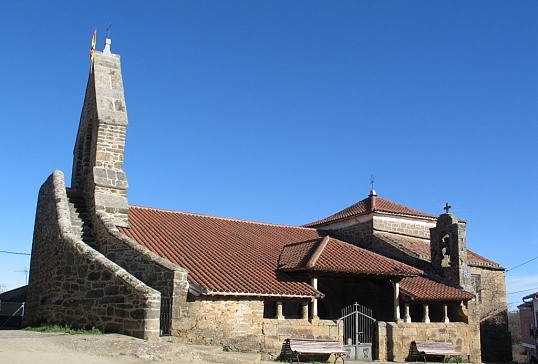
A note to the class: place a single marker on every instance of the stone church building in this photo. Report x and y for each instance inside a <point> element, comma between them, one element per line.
<point>248,286</point>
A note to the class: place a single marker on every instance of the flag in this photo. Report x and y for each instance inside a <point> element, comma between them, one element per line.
<point>94,39</point>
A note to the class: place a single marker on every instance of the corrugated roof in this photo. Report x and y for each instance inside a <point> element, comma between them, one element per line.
<point>421,288</point>
<point>369,205</point>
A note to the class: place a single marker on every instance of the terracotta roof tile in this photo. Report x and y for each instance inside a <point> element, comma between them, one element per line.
<point>222,255</point>
<point>421,288</point>
<point>365,207</point>
<point>338,256</point>
<point>420,248</point>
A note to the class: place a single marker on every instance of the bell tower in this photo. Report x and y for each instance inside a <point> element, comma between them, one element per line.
<point>448,246</point>
<point>99,148</point>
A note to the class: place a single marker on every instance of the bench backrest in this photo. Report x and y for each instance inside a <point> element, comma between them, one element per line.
<point>315,346</point>
<point>435,347</point>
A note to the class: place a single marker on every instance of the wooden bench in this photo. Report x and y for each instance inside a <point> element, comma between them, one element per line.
<point>433,348</point>
<point>298,347</point>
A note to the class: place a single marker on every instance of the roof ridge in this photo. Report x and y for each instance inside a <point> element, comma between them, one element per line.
<point>315,256</point>
<point>223,218</point>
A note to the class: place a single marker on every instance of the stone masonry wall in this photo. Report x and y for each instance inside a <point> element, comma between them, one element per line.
<point>100,144</point>
<point>276,331</point>
<point>495,337</point>
<point>153,270</point>
<point>71,283</point>
<point>394,338</point>
<point>238,324</point>
<point>361,232</point>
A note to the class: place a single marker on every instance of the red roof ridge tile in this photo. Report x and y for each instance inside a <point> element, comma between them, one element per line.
<point>382,206</point>
<point>314,258</point>
<point>223,218</point>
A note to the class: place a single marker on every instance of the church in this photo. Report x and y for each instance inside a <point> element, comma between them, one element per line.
<point>375,276</point>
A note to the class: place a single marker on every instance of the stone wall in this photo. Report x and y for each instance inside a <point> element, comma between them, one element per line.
<point>276,331</point>
<point>394,338</point>
<point>71,283</point>
<point>493,315</point>
<point>238,324</point>
<point>100,143</point>
<point>360,231</point>
<point>155,271</point>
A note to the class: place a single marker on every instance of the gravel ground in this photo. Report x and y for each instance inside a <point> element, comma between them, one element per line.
<point>25,347</point>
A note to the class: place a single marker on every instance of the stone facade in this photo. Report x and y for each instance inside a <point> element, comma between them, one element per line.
<point>395,338</point>
<point>238,324</point>
<point>72,283</point>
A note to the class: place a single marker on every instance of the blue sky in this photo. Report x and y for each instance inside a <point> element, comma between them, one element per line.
<point>280,111</point>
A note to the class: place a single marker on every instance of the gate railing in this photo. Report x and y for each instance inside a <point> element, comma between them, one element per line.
<point>11,309</point>
<point>358,324</point>
<point>166,313</point>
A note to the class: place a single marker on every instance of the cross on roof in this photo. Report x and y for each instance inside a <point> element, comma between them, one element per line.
<point>447,207</point>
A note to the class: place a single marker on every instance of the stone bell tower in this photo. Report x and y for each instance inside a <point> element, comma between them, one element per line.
<point>98,156</point>
<point>448,246</point>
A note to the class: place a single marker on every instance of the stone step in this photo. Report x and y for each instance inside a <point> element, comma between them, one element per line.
<point>80,218</point>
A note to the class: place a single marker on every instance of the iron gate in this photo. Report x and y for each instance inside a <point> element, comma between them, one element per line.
<point>358,326</point>
<point>166,313</point>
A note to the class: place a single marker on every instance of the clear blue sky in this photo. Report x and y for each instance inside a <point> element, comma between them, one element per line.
<point>279,111</point>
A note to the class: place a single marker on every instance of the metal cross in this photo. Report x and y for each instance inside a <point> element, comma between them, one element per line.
<point>447,207</point>
<point>372,180</point>
<point>108,29</point>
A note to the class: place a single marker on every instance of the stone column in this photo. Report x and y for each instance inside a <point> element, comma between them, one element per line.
<point>314,283</point>
<point>407,317</point>
<point>445,314</point>
<point>426,314</point>
<point>279,315</point>
<point>396,301</point>
<point>304,311</point>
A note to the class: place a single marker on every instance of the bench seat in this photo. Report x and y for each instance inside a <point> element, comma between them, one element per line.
<point>433,348</point>
<point>313,347</point>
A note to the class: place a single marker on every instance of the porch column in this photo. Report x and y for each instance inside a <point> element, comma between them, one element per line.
<point>407,317</point>
<point>426,314</point>
<point>396,301</point>
<point>304,311</point>
<point>445,314</point>
<point>279,314</point>
<point>314,283</point>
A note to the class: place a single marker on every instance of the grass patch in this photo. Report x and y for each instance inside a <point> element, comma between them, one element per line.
<point>64,329</point>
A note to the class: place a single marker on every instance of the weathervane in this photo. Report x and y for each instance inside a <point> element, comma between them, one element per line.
<point>108,29</point>
<point>372,180</point>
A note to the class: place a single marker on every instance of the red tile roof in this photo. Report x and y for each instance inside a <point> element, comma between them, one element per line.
<point>223,256</point>
<point>333,255</point>
<point>237,257</point>
<point>421,288</point>
<point>420,248</point>
<point>372,204</point>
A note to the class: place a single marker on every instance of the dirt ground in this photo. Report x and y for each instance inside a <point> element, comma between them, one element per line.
<point>26,347</point>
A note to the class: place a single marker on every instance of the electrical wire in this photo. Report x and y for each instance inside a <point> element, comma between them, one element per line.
<point>3,251</point>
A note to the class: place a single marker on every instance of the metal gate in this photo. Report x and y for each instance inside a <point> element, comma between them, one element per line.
<point>358,326</point>
<point>166,313</point>
<point>9,311</point>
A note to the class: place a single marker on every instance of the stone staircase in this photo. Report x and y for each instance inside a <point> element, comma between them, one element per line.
<point>80,218</point>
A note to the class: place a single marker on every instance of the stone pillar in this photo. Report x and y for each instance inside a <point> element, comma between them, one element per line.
<point>407,317</point>
<point>279,315</point>
<point>314,283</point>
<point>426,314</point>
<point>396,286</point>
<point>304,311</point>
<point>445,314</point>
